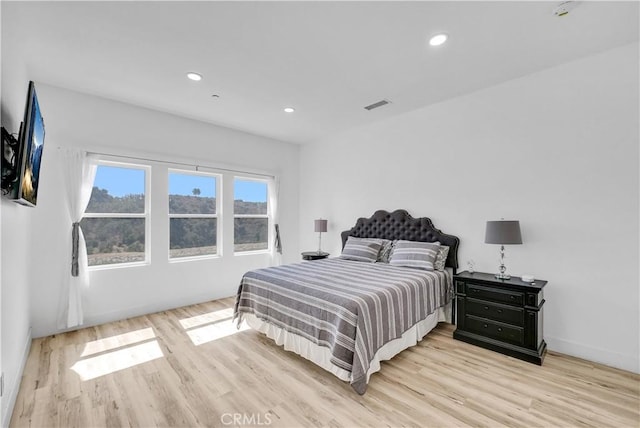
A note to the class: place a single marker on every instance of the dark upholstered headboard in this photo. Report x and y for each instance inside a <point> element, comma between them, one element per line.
<point>400,225</point>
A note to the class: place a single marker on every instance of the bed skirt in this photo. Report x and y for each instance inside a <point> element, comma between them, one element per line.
<point>321,355</point>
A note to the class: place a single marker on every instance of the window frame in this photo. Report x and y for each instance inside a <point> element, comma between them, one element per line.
<point>218,215</point>
<point>267,215</point>
<point>146,215</point>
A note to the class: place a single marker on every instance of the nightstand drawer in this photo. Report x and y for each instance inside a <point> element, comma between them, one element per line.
<point>496,330</point>
<point>495,311</point>
<point>495,294</point>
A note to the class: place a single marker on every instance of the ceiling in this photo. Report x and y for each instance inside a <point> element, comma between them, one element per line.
<point>326,59</point>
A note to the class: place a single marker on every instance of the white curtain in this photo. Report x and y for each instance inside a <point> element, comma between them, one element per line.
<point>276,252</point>
<point>79,169</point>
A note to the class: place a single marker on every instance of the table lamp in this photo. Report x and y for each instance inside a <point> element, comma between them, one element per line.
<point>503,232</point>
<point>320,226</point>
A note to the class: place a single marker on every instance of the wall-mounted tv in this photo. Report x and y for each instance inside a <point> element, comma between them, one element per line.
<point>31,141</point>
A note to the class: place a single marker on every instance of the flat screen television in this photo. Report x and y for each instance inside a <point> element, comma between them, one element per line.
<point>31,141</point>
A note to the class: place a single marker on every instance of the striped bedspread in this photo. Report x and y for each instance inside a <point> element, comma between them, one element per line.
<point>353,308</point>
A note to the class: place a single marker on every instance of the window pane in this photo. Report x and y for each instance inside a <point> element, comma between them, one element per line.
<point>250,197</point>
<point>191,194</point>
<point>114,240</point>
<point>250,234</point>
<point>192,237</point>
<point>117,190</point>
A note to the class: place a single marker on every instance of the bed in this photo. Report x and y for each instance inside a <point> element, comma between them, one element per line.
<point>344,315</point>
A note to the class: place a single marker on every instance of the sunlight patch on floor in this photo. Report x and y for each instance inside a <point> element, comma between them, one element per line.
<point>211,326</point>
<point>115,353</point>
<point>111,362</point>
<point>113,342</point>
<point>214,331</point>
<point>208,318</point>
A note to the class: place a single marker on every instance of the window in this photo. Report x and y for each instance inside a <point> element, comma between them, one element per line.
<point>193,219</point>
<point>115,222</point>
<point>251,221</point>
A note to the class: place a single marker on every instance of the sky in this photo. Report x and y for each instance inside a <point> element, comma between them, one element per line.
<point>182,184</point>
<point>125,181</point>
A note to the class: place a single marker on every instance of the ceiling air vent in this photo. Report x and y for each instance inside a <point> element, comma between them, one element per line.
<point>378,104</point>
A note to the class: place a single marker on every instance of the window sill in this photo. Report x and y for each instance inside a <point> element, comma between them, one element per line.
<point>193,258</point>
<point>251,253</point>
<point>118,266</point>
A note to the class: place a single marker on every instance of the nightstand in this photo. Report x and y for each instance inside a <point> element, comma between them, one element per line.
<point>314,255</point>
<point>504,315</point>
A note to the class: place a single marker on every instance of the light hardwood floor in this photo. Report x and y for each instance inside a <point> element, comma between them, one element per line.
<point>191,367</point>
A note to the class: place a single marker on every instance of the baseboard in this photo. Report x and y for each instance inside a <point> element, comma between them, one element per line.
<point>602,356</point>
<point>91,320</point>
<point>153,308</point>
<point>15,388</point>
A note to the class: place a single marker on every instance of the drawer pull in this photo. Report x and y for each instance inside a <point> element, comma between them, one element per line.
<point>486,308</point>
<point>499,328</point>
<point>512,297</point>
<point>499,311</point>
<point>474,290</point>
<point>486,326</point>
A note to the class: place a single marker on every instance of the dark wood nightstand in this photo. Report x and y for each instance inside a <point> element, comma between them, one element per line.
<point>504,315</point>
<point>314,255</point>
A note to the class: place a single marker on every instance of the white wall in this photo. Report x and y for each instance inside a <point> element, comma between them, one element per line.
<point>16,260</point>
<point>97,124</point>
<point>557,150</point>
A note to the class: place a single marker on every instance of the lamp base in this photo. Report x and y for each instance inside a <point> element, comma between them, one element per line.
<point>502,268</point>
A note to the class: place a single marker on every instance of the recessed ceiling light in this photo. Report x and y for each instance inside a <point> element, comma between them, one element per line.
<point>289,109</point>
<point>194,76</point>
<point>438,39</point>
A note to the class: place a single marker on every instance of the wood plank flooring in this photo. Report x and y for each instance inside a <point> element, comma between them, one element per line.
<point>191,367</point>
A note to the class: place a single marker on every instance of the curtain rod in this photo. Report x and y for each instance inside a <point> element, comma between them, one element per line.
<point>180,163</point>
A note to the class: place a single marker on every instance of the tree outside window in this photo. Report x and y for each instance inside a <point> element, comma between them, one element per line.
<point>193,214</point>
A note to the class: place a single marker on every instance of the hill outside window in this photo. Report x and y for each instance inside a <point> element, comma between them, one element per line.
<point>116,219</point>
<point>250,212</point>
<point>193,214</point>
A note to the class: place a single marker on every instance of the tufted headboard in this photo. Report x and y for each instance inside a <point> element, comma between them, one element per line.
<point>400,225</point>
